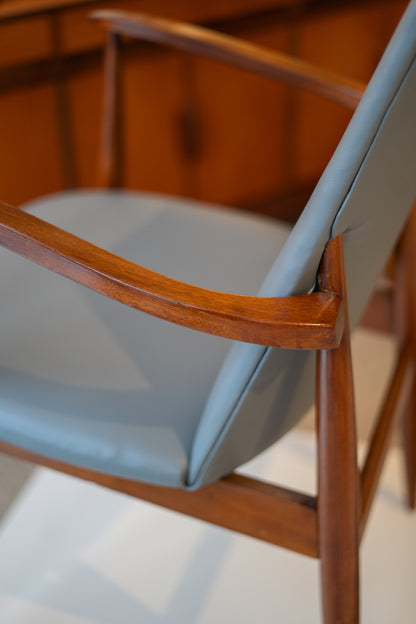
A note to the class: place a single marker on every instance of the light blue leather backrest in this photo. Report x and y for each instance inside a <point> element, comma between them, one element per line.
<point>365,193</point>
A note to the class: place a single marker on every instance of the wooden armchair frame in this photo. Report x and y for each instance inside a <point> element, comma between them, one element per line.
<point>203,42</point>
<point>330,525</point>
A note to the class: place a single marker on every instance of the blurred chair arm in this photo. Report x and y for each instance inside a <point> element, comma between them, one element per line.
<point>233,51</point>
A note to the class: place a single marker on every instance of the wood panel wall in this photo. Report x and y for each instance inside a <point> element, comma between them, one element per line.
<point>191,126</point>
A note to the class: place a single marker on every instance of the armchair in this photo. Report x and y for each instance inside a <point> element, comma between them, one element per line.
<point>97,384</point>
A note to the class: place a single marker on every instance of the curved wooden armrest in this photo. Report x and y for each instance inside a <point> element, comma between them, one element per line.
<point>233,51</point>
<point>312,321</point>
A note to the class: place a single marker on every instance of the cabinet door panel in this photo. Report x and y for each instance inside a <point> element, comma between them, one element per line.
<point>153,100</point>
<point>30,158</point>
<point>242,155</point>
<point>351,42</point>
<point>84,92</point>
<point>24,41</point>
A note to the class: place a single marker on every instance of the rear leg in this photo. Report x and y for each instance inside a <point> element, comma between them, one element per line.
<point>409,447</point>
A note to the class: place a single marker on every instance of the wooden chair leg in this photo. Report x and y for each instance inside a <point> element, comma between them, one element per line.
<point>405,315</point>
<point>338,476</point>
<point>409,447</point>
<point>337,495</point>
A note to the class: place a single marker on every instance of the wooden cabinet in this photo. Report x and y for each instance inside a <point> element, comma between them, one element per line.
<point>191,126</point>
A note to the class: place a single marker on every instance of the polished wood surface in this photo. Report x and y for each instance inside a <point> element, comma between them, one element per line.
<point>268,512</point>
<point>229,50</point>
<point>409,445</point>
<point>405,315</point>
<point>303,322</point>
<point>394,404</point>
<point>338,483</point>
<point>10,10</point>
<point>329,525</point>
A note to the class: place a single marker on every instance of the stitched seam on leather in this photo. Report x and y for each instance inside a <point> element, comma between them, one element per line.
<point>228,420</point>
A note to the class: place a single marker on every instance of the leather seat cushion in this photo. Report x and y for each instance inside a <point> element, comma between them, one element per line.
<point>92,382</point>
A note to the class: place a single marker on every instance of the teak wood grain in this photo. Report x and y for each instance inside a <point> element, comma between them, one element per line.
<point>396,400</point>
<point>24,8</point>
<point>338,477</point>
<point>227,49</point>
<point>405,313</point>
<point>238,503</point>
<point>302,322</point>
<point>329,525</point>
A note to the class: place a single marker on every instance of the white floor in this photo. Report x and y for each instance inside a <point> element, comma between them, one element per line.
<point>73,553</point>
